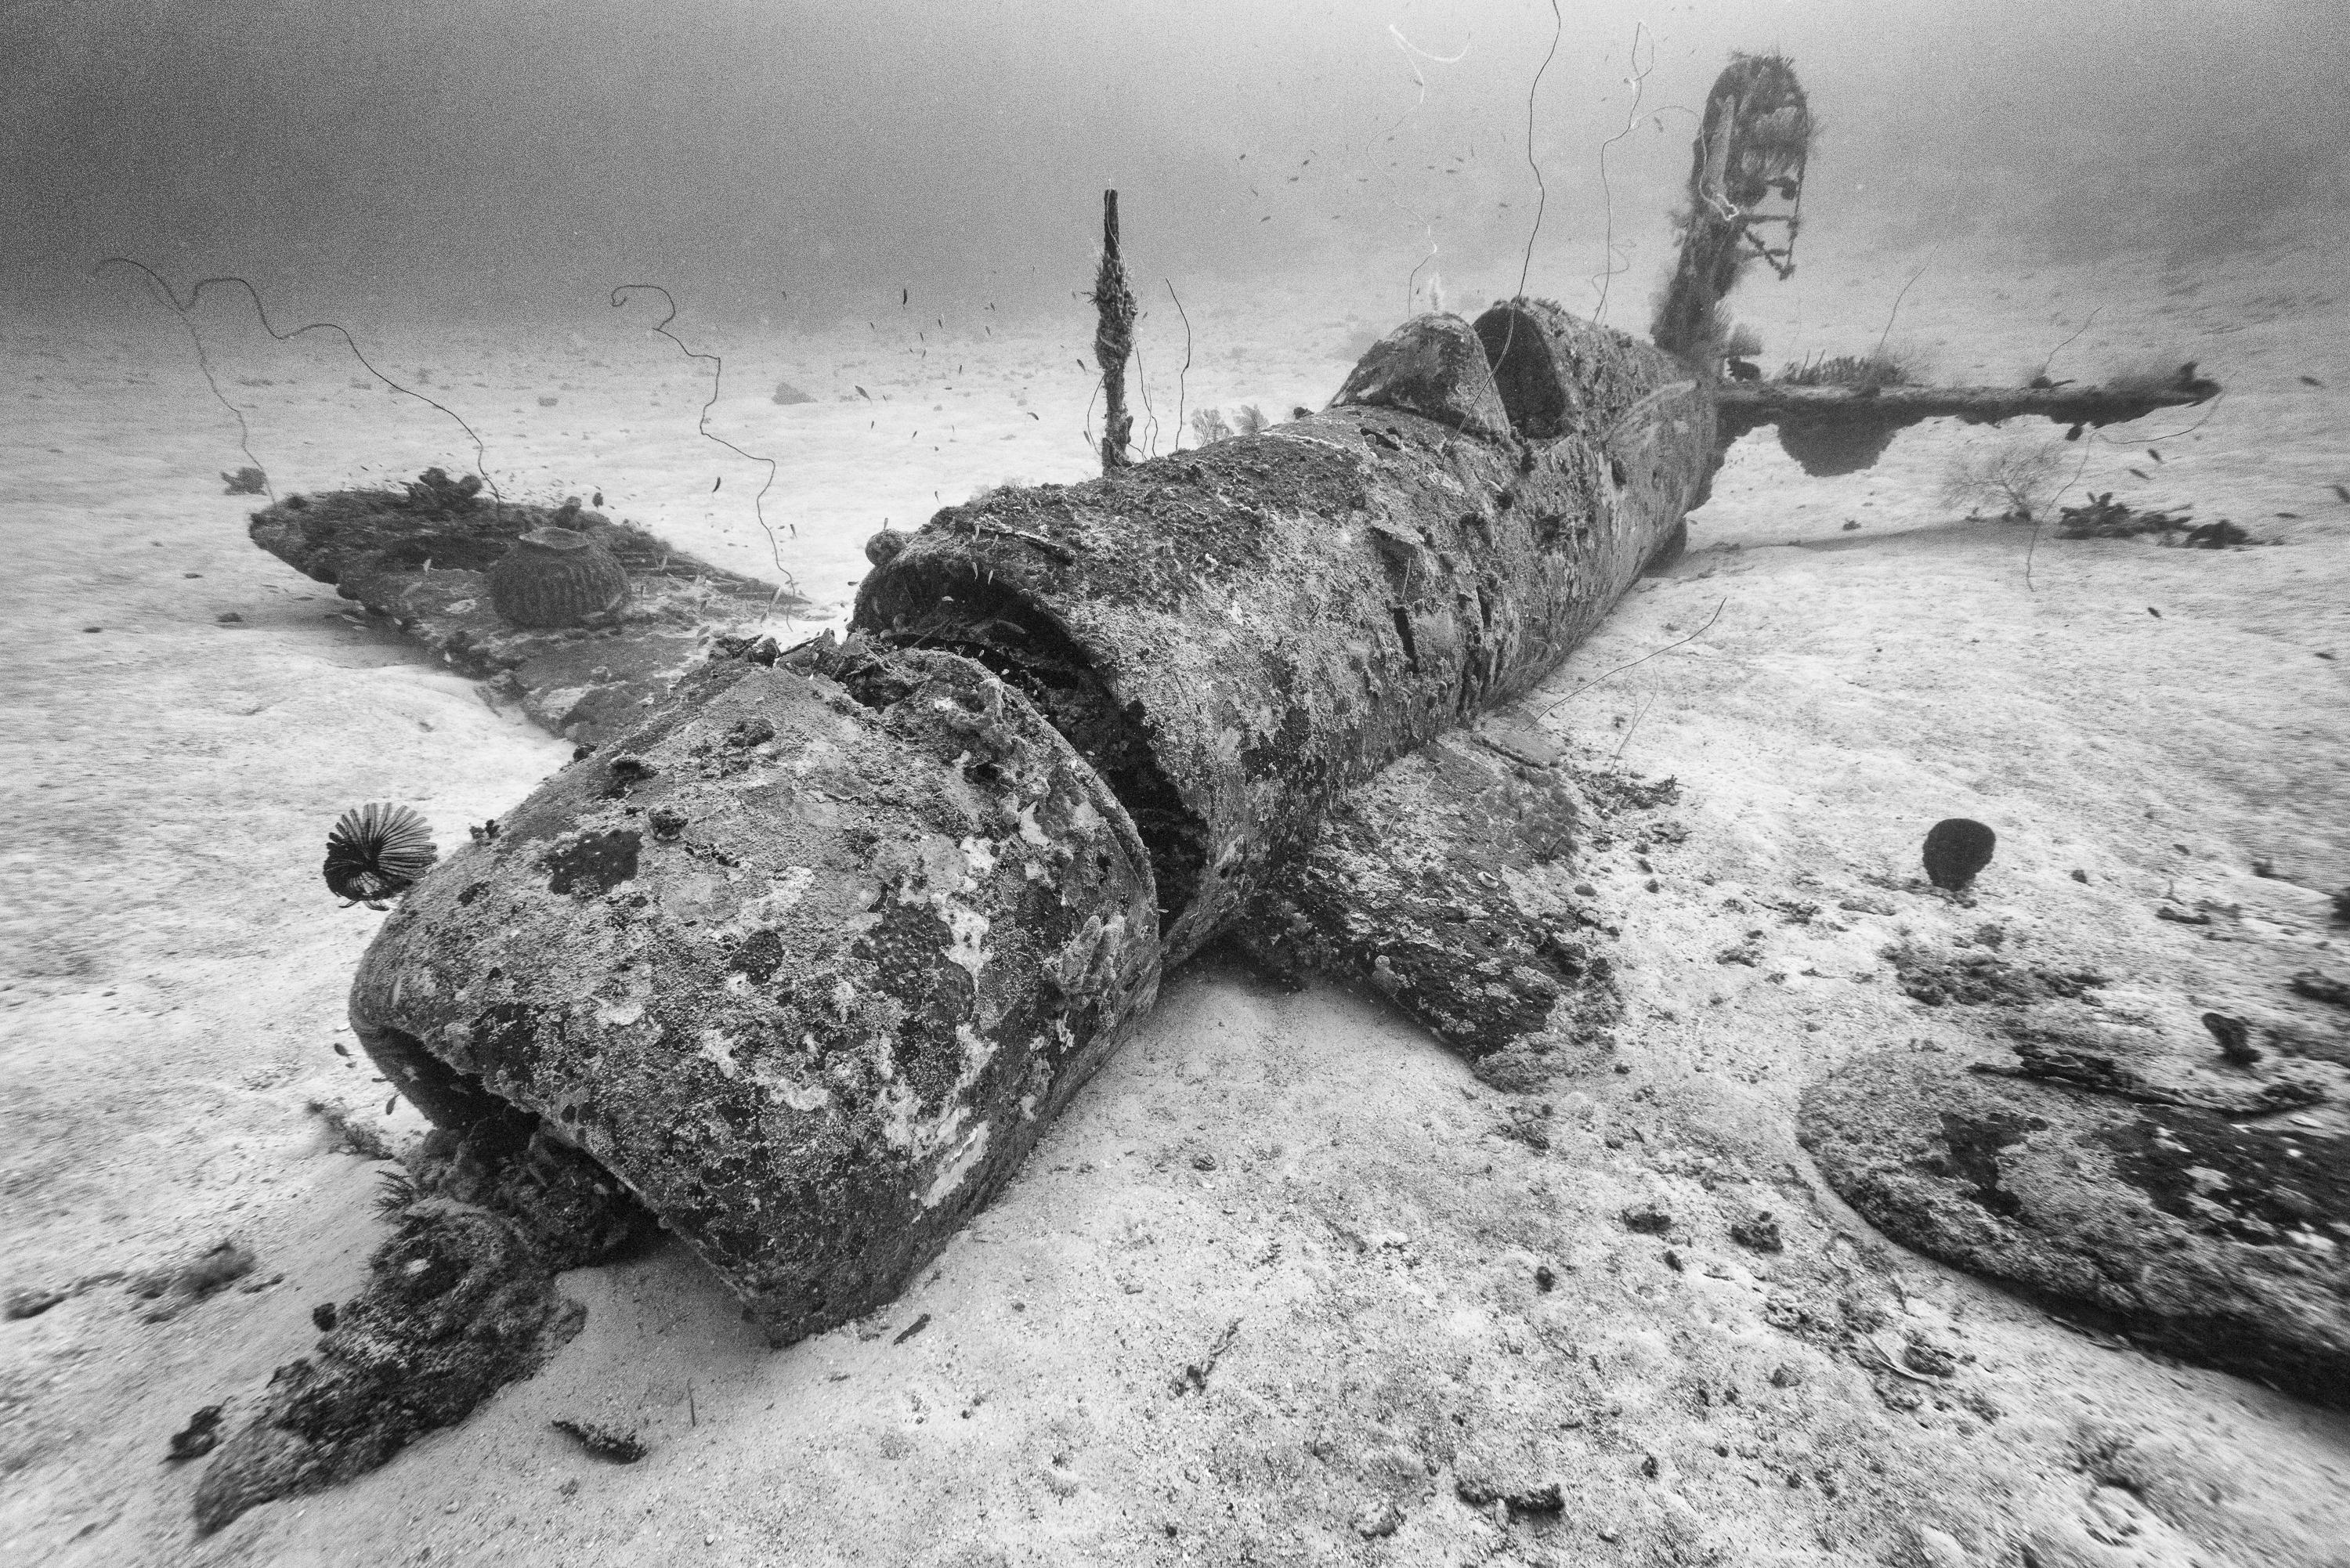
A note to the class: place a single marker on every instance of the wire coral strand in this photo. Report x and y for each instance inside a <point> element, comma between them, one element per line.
<point>481,460</point>
<point>1182,375</point>
<point>1542,203</point>
<point>1639,82</point>
<point>717,374</point>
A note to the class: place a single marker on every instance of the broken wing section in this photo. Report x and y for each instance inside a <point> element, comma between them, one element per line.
<point>1446,883</point>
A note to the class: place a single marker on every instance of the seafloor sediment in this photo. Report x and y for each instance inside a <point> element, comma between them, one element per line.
<point>1287,1278</point>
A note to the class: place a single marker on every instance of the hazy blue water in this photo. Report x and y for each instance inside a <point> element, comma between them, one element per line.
<point>808,163</point>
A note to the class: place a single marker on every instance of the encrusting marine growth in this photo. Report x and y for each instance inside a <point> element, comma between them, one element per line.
<point>801,956</point>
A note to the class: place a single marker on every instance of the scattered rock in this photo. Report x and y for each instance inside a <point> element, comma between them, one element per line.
<point>1528,1125</point>
<point>1647,1219</point>
<point>182,1284</point>
<point>322,1316</point>
<point>1930,1360</point>
<point>883,547</point>
<point>199,1436</point>
<point>2221,1244</point>
<point>786,394</point>
<point>1977,979</point>
<point>1758,1231</point>
<point>1193,1378</point>
<point>604,1442</point>
<point>2319,986</point>
<point>1379,1520</point>
<point>247,481</point>
<point>1544,1499</point>
<point>548,402</point>
<point>31,1302</point>
<point>2234,1036</point>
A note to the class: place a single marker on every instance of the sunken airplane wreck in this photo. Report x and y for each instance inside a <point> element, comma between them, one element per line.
<point>806,954</point>
<point>809,956</point>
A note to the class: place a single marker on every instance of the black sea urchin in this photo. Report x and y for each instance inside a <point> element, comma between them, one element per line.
<point>378,850</point>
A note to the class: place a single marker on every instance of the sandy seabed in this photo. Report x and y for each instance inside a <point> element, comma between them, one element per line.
<point>1304,1177</point>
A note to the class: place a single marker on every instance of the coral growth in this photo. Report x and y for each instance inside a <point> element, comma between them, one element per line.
<point>1209,426</point>
<point>1882,368</point>
<point>2019,476</point>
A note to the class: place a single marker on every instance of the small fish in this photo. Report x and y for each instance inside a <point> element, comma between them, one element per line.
<point>2154,612</point>
<point>862,392</point>
<point>1032,414</point>
<point>2311,381</point>
<point>2289,517</point>
<point>716,482</point>
<point>2141,473</point>
<point>391,1105</point>
<point>2154,454</point>
<point>906,295</point>
<point>2343,491</point>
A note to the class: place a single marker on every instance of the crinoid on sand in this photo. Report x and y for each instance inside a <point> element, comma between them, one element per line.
<point>376,851</point>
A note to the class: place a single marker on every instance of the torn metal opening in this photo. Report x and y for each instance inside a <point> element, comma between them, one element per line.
<point>956,612</point>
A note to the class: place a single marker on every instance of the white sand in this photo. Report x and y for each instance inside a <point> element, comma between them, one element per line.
<point>175,971</point>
